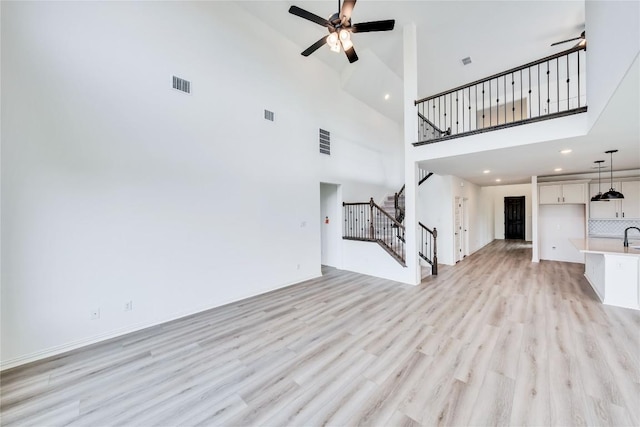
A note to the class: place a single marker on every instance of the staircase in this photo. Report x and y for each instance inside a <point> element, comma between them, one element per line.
<point>369,222</point>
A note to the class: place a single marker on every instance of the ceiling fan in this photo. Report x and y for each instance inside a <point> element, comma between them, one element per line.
<point>582,38</point>
<point>340,29</point>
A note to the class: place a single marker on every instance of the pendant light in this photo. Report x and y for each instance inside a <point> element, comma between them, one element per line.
<point>598,196</point>
<point>612,194</point>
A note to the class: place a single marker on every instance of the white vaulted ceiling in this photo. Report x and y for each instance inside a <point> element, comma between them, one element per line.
<point>497,35</point>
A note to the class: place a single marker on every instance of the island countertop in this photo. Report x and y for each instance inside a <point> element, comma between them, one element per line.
<point>607,246</point>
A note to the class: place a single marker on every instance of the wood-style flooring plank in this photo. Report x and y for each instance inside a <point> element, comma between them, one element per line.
<point>493,340</point>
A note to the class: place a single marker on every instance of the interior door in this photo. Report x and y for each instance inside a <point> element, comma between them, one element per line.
<point>514,218</point>
<point>458,232</point>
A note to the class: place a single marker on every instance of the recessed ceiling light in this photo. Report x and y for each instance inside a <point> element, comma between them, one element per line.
<point>498,180</point>
<point>557,169</point>
<point>486,171</point>
<point>567,151</point>
<point>386,97</point>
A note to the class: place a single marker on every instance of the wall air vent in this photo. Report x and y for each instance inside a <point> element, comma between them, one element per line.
<point>269,115</point>
<point>181,84</point>
<point>325,141</point>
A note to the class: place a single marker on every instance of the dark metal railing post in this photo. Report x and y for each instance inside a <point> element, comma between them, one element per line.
<point>434,268</point>
<point>372,230</point>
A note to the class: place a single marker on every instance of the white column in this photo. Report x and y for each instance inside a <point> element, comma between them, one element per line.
<point>410,55</point>
<point>535,257</point>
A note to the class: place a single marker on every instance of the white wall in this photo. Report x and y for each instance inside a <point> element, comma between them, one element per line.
<point>557,225</point>
<point>613,37</point>
<point>115,187</point>
<point>436,198</point>
<point>478,214</point>
<point>497,195</point>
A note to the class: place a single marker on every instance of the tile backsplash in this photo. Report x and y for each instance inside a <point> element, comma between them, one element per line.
<point>611,227</point>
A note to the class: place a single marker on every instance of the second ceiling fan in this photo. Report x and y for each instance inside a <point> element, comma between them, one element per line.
<point>340,29</point>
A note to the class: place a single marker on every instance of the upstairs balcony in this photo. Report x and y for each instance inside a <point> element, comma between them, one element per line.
<point>545,89</point>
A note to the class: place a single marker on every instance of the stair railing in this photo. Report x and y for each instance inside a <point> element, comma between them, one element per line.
<point>398,204</point>
<point>368,222</point>
<point>429,246</point>
<point>544,89</point>
<point>427,130</point>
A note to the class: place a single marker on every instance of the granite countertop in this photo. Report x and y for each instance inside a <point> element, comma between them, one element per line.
<point>607,246</point>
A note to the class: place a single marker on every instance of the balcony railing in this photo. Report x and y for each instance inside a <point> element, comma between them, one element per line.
<point>544,89</point>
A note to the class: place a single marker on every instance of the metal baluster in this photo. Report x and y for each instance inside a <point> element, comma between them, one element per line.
<point>445,114</point>
<point>371,229</point>
<point>558,84</point>
<point>521,95</point>
<point>457,111</point>
<point>548,90</point>
<point>568,79</point>
<point>578,58</point>
<point>504,79</point>
<point>529,97</point>
<point>539,114</point>
<point>483,105</point>
<point>513,99</point>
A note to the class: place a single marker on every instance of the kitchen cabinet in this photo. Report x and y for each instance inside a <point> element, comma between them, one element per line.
<point>612,270</point>
<point>627,208</point>
<point>557,194</point>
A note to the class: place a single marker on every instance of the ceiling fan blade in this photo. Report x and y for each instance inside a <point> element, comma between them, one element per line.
<point>317,45</point>
<point>295,10</point>
<point>351,54</point>
<point>367,27</point>
<point>345,11</point>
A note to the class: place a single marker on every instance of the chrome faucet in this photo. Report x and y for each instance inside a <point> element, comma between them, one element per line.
<point>626,239</point>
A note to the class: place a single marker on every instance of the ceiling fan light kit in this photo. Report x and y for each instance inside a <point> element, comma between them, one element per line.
<point>612,194</point>
<point>340,29</point>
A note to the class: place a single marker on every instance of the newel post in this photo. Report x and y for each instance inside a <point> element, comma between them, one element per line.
<point>372,231</point>
<point>434,269</point>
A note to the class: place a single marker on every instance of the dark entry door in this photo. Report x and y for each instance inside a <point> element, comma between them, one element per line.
<point>514,216</point>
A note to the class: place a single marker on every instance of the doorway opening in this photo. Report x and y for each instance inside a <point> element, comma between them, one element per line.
<point>461,229</point>
<point>330,225</point>
<point>514,218</point>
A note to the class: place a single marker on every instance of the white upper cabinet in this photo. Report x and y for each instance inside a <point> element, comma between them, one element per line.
<point>556,194</point>
<point>627,208</point>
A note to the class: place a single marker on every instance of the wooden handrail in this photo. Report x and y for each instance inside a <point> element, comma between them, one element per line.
<point>395,222</point>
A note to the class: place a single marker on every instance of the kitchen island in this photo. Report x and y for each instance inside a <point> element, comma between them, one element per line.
<point>612,270</point>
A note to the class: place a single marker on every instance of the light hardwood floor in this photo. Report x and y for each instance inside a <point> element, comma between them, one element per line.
<point>495,340</point>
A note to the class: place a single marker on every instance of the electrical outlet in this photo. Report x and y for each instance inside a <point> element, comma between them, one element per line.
<point>95,314</point>
<point>128,306</point>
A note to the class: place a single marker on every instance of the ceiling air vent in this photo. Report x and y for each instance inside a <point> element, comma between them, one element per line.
<point>325,141</point>
<point>181,84</point>
<point>269,115</point>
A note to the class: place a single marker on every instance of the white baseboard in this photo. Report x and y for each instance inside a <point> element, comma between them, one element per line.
<point>74,345</point>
